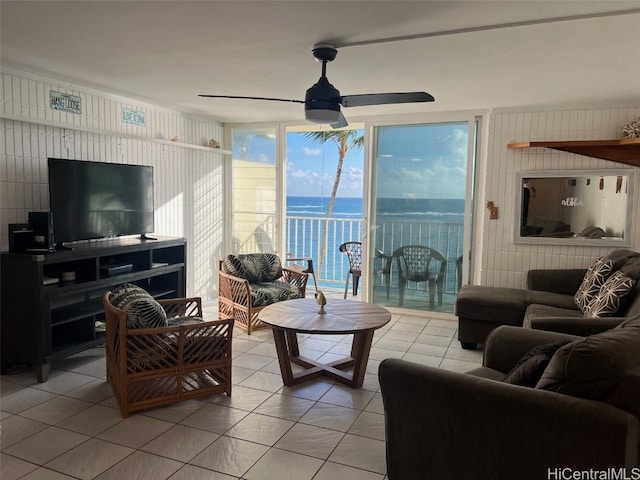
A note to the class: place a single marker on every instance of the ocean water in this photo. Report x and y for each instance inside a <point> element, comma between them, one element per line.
<point>411,209</point>
<point>436,223</point>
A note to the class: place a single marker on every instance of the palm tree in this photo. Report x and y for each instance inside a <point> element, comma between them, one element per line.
<point>344,140</point>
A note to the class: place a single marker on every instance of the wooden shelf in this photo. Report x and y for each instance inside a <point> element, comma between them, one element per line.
<point>626,150</point>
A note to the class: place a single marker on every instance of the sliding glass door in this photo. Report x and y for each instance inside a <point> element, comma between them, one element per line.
<point>420,214</point>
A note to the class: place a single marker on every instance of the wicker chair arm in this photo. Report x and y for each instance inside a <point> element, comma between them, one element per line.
<point>180,329</point>
<point>182,307</point>
<point>234,288</point>
<point>296,277</point>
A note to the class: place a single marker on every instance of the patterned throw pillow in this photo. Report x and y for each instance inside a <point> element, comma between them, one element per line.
<point>595,277</point>
<point>254,267</point>
<point>143,311</point>
<point>607,301</point>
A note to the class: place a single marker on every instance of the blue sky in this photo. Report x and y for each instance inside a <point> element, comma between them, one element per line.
<point>414,161</point>
<point>311,168</point>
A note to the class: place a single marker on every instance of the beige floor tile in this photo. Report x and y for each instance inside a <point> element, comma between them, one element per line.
<point>308,390</point>
<point>230,455</point>
<point>135,431</point>
<point>46,474</point>
<point>214,418</point>
<point>423,359</point>
<point>62,382</point>
<point>12,468</point>
<point>282,465</point>
<point>92,421</point>
<point>404,336</point>
<point>142,466</point>
<point>310,440</point>
<point>360,452</point>
<point>458,365</point>
<point>334,471</point>
<point>429,350</point>
<point>46,445</point>
<point>24,399</point>
<point>191,472</point>
<point>9,387</point>
<point>433,340</point>
<point>270,382</point>
<point>55,410</point>
<point>181,443</point>
<point>243,398</point>
<point>285,407</point>
<point>370,425</point>
<point>177,412</point>
<point>330,416</point>
<point>89,459</point>
<point>260,429</point>
<point>17,428</point>
<point>347,396</point>
<point>248,360</point>
<point>95,391</point>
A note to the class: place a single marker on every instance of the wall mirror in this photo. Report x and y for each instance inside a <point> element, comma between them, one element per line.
<point>577,207</point>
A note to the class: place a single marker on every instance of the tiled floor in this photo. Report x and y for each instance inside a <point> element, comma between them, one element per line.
<point>69,427</point>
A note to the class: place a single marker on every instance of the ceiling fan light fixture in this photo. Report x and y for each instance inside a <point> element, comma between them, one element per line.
<point>326,114</point>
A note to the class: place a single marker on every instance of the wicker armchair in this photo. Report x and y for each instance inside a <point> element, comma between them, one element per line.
<point>244,289</point>
<point>150,367</point>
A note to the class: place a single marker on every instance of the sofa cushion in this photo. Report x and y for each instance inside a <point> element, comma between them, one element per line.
<point>595,277</point>
<point>537,311</point>
<point>592,367</point>
<point>555,300</point>
<point>531,366</point>
<point>267,293</point>
<point>142,310</point>
<point>253,267</point>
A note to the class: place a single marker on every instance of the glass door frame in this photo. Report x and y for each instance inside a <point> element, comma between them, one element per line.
<point>472,213</point>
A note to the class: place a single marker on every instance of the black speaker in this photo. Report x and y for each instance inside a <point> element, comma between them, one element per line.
<point>42,225</point>
<point>20,237</point>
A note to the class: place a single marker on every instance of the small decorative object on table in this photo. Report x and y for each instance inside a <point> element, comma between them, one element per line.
<point>175,138</point>
<point>322,301</point>
<point>631,129</point>
<point>214,143</point>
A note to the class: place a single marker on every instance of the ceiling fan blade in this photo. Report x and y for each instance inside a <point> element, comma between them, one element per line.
<point>252,98</point>
<point>341,123</point>
<point>384,98</point>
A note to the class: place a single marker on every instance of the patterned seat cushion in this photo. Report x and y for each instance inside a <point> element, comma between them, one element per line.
<point>266,293</point>
<point>142,310</point>
<point>254,267</point>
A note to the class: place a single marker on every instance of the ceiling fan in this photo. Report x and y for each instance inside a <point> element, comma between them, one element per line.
<point>322,101</point>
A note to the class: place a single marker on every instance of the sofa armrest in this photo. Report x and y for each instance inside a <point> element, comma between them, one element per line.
<point>507,344</point>
<point>448,425</point>
<point>576,325</point>
<point>564,280</point>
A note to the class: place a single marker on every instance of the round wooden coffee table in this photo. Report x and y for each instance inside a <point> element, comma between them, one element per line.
<point>341,317</point>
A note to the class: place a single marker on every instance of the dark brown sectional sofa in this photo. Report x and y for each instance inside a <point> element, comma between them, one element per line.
<point>546,304</point>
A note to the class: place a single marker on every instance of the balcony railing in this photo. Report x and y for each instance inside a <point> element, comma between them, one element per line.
<point>304,236</point>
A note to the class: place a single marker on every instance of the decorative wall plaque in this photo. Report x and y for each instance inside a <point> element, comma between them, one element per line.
<point>65,102</point>
<point>133,117</point>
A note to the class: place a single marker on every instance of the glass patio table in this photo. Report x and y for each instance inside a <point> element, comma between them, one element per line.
<point>340,317</point>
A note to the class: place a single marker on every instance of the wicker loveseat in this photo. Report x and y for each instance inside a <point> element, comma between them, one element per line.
<point>248,283</point>
<point>161,352</point>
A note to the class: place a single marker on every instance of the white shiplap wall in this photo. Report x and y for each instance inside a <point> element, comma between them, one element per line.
<point>505,263</point>
<point>188,181</point>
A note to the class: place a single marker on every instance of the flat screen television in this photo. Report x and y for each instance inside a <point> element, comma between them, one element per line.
<point>91,200</point>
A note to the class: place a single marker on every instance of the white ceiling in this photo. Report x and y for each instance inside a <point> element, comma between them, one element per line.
<point>167,52</point>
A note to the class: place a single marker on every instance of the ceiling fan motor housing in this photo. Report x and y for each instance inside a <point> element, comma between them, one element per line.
<point>322,102</point>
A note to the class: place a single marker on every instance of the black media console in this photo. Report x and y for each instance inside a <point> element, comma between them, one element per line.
<point>51,305</point>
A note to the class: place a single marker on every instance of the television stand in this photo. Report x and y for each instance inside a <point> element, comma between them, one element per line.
<point>144,236</point>
<point>61,246</point>
<point>44,315</point>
